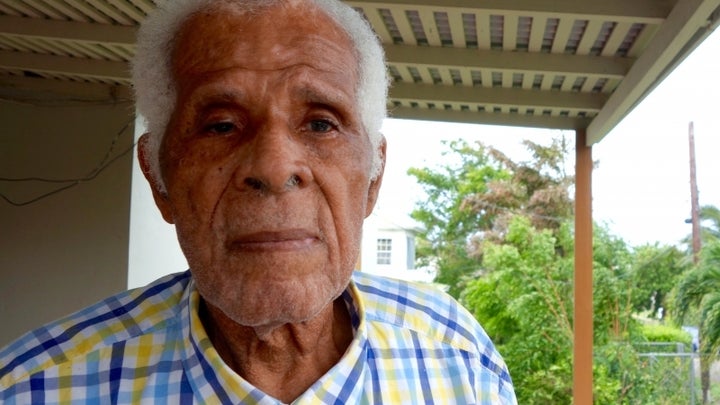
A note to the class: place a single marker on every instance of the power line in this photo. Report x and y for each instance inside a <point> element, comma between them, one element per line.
<point>104,163</point>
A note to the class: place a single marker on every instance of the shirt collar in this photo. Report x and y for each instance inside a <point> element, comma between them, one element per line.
<point>213,381</point>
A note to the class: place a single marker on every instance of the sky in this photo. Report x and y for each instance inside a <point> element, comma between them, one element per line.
<point>641,184</point>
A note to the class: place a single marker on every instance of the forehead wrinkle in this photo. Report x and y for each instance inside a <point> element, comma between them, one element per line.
<point>295,68</point>
<point>308,88</point>
<point>195,72</point>
<point>223,97</point>
<point>194,55</point>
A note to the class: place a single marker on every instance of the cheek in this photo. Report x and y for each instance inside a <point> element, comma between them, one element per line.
<point>347,210</point>
<point>195,183</point>
<point>185,158</point>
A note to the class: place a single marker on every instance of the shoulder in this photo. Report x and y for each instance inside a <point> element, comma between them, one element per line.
<point>116,319</point>
<point>431,314</point>
<point>423,308</point>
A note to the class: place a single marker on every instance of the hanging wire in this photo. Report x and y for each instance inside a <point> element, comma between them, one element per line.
<point>105,162</point>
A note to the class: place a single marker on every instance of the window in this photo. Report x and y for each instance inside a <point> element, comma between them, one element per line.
<point>384,251</point>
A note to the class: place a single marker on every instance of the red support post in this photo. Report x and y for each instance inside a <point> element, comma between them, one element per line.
<point>583,305</point>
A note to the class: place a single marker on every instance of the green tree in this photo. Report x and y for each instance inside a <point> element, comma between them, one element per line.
<point>709,234</point>
<point>709,223</point>
<point>501,235</point>
<point>709,226</point>
<point>700,288</point>
<point>448,223</point>
<point>537,188</point>
<point>612,292</point>
<point>656,271</point>
<point>524,301</point>
<point>473,200</point>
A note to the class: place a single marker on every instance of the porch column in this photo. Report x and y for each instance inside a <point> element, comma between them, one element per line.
<point>583,306</point>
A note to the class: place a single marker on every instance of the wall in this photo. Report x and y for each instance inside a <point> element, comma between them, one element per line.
<point>70,249</point>
<point>154,249</point>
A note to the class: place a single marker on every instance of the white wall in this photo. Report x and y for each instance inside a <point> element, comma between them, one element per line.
<point>68,250</point>
<point>154,250</point>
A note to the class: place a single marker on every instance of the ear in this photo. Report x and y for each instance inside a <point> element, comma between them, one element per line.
<point>374,188</point>
<point>159,195</point>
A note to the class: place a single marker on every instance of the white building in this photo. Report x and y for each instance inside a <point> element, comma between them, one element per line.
<point>388,248</point>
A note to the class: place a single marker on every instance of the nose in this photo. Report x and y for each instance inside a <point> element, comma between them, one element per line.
<point>275,161</point>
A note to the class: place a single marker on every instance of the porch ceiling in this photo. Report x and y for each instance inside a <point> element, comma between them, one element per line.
<point>569,64</point>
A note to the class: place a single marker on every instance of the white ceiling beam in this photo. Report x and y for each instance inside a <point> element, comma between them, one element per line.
<point>42,7</point>
<point>67,11</point>
<point>664,52</point>
<point>67,30</point>
<point>641,11</point>
<point>456,29</point>
<point>403,26</point>
<point>642,40</point>
<point>129,9</point>
<point>616,38</point>
<point>537,30</point>
<point>431,32</point>
<point>489,118</point>
<point>498,96</point>
<point>24,9</point>
<point>90,11</point>
<point>482,24</point>
<point>589,36</point>
<point>561,35</point>
<point>118,71</point>
<point>112,12</point>
<point>373,16</point>
<point>515,61</point>
<point>510,27</point>
<point>145,5</point>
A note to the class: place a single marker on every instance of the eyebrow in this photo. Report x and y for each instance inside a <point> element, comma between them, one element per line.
<point>222,98</point>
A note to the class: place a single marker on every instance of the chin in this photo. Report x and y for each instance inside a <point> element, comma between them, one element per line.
<point>277,302</point>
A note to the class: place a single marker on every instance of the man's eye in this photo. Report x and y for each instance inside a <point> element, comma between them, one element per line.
<point>220,127</point>
<point>321,126</point>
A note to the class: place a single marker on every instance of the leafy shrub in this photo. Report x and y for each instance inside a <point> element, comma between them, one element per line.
<point>665,334</point>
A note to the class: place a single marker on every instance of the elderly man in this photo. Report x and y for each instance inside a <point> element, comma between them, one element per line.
<point>264,150</point>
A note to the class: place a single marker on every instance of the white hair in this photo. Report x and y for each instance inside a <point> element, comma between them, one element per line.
<point>155,91</point>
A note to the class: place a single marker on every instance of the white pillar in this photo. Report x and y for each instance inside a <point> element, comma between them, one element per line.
<point>154,249</point>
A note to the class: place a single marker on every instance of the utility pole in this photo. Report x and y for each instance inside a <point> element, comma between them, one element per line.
<point>695,218</point>
<point>694,201</point>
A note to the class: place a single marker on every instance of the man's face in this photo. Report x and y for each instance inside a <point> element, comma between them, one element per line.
<point>266,162</point>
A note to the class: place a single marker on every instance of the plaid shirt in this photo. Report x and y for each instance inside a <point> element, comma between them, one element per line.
<point>412,345</point>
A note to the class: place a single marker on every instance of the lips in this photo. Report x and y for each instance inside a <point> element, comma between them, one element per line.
<point>283,240</point>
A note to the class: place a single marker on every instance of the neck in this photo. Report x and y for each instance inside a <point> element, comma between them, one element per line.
<point>281,360</point>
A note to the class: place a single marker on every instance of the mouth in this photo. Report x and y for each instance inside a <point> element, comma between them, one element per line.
<point>284,240</point>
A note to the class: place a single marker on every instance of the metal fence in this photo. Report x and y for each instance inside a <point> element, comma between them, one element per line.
<point>671,372</point>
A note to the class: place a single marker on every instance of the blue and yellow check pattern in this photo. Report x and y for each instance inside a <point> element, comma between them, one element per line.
<point>412,345</point>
